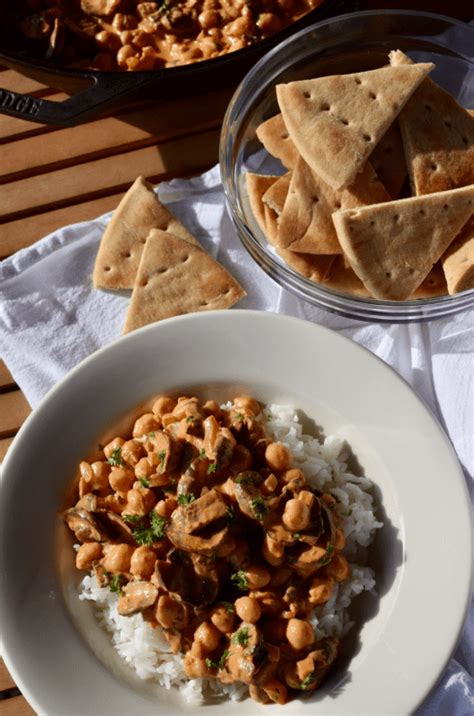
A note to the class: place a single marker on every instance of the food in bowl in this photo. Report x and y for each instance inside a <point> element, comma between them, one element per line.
<point>132,36</point>
<point>224,546</point>
<point>339,216</point>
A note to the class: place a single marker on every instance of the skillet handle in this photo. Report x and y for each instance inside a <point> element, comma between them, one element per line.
<point>100,96</point>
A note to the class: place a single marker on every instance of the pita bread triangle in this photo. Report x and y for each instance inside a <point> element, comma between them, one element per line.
<point>275,138</point>
<point>438,137</point>
<point>276,194</point>
<point>335,122</point>
<point>122,244</point>
<point>393,246</point>
<point>176,277</point>
<point>257,185</point>
<point>458,261</point>
<point>388,160</point>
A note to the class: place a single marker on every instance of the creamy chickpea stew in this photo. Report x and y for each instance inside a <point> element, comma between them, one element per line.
<point>201,522</point>
<point>130,35</point>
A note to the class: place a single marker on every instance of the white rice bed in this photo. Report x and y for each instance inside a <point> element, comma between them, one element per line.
<point>325,468</point>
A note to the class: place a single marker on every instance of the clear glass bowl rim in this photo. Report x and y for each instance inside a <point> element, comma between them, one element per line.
<point>367,309</point>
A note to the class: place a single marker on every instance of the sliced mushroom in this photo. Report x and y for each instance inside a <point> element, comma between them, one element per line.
<point>37,27</point>
<point>117,525</point>
<point>252,502</point>
<point>166,451</point>
<point>100,7</point>
<point>56,40</point>
<point>136,597</point>
<point>200,527</point>
<point>178,576</point>
<point>87,502</point>
<point>306,674</point>
<point>250,659</point>
<point>84,525</point>
<point>306,560</point>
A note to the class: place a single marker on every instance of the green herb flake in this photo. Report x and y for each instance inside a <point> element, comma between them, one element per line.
<point>259,507</point>
<point>347,514</point>
<point>116,458</point>
<point>144,481</point>
<point>115,583</point>
<point>228,606</point>
<point>158,524</point>
<point>230,513</point>
<point>239,416</point>
<point>240,580</point>
<point>132,519</point>
<point>307,681</point>
<point>327,557</point>
<point>212,468</point>
<point>297,536</point>
<point>190,419</point>
<point>202,454</point>
<point>162,457</point>
<point>216,664</point>
<point>148,535</point>
<point>185,498</point>
<point>152,434</point>
<point>245,480</point>
<point>241,637</point>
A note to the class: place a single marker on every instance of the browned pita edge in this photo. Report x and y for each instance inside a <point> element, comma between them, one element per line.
<point>344,280</point>
<point>306,223</point>
<point>438,137</point>
<point>393,246</point>
<point>276,194</point>
<point>176,277</point>
<point>433,285</point>
<point>121,246</point>
<point>257,185</point>
<point>335,122</point>
<point>274,136</point>
<point>458,261</point>
<point>388,160</point>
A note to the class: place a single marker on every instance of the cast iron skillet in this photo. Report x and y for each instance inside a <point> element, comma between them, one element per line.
<point>98,92</point>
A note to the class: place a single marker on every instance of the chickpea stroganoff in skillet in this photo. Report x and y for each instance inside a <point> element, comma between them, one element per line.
<point>224,546</point>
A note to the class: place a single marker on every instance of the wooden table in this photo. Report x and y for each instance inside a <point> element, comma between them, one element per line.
<point>53,177</point>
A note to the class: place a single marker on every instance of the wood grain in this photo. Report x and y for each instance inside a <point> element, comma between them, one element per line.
<point>12,81</point>
<point>57,188</point>
<point>6,681</point>
<point>14,128</point>
<point>6,379</point>
<point>4,445</point>
<point>18,706</point>
<point>14,409</point>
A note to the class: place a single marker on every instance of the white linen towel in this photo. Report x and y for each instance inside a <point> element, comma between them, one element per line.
<point>51,318</point>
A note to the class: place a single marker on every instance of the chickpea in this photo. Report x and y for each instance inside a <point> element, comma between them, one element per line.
<point>113,445</point>
<point>165,508</point>
<point>223,619</point>
<point>146,8</point>
<point>145,424</point>
<point>269,23</point>
<point>126,37</point>
<point>257,576</point>
<point>338,567</point>
<point>293,475</point>
<point>194,666</point>
<point>273,551</point>
<point>144,468</point>
<point>245,402</point>
<point>299,633</point>
<point>124,22</point>
<point>140,500</point>
<point>142,563</point>
<point>248,609</point>
<point>117,557</point>
<point>114,503</point>
<point>101,471</point>
<point>277,456</point>
<point>163,405</point>
<point>124,54</point>
<point>121,479</point>
<point>208,636</point>
<point>340,541</point>
<point>108,40</point>
<point>238,28</point>
<point>307,497</point>
<point>276,691</point>
<point>208,19</point>
<point>296,515</point>
<point>170,613</point>
<point>87,554</point>
<point>320,590</point>
<point>168,419</point>
<point>270,484</point>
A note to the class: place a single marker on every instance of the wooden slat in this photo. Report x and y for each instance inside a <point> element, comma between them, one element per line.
<point>14,128</point>
<point>6,681</point>
<point>4,445</point>
<point>18,706</point>
<point>106,136</point>
<point>6,380</point>
<point>13,81</point>
<point>14,410</point>
<point>184,156</point>
<point>16,235</point>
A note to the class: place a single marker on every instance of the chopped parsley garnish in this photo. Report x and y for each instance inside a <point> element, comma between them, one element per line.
<point>132,519</point>
<point>228,606</point>
<point>202,454</point>
<point>162,456</point>
<point>327,557</point>
<point>152,434</point>
<point>190,419</point>
<point>217,663</point>
<point>144,481</point>
<point>148,535</point>
<point>240,580</point>
<point>307,681</point>
<point>241,637</point>
<point>164,7</point>
<point>212,468</point>
<point>297,536</point>
<point>115,583</point>
<point>245,480</point>
<point>185,498</point>
<point>347,514</point>
<point>259,507</point>
<point>230,513</point>
<point>115,458</point>
<point>239,416</point>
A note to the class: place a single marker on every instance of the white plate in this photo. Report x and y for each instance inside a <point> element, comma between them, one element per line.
<point>422,555</point>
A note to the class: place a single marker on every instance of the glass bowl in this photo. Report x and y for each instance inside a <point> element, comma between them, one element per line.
<point>349,43</point>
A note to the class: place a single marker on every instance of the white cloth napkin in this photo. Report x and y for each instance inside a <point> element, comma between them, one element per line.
<point>51,318</point>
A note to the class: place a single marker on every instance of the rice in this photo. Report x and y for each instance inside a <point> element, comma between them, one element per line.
<point>325,466</point>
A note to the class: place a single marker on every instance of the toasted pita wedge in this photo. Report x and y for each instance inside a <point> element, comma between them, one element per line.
<point>393,246</point>
<point>275,196</point>
<point>257,185</point>
<point>275,138</point>
<point>458,261</point>
<point>343,279</point>
<point>433,285</point>
<point>176,277</point>
<point>336,122</point>
<point>388,160</point>
<point>438,137</point>
<point>305,224</point>
<point>122,244</point>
